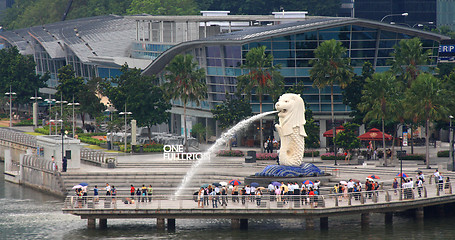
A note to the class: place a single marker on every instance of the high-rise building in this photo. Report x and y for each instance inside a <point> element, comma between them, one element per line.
<point>420,13</point>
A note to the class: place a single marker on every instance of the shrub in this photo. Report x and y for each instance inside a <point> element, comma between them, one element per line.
<point>150,148</point>
<point>412,157</point>
<point>27,122</point>
<point>42,131</point>
<point>90,140</point>
<point>311,153</point>
<point>331,156</point>
<point>230,153</point>
<point>266,156</point>
<point>444,153</point>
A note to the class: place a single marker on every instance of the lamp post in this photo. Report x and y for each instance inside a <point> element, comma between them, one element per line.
<point>74,121</point>
<point>62,131</point>
<point>50,101</point>
<point>397,14</point>
<point>126,114</point>
<point>423,24</point>
<point>61,108</point>
<point>111,111</point>
<point>10,94</point>
<point>35,109</point>
<point>451,157</point>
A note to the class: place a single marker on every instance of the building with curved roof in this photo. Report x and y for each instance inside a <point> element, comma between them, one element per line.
<point>98,46</point>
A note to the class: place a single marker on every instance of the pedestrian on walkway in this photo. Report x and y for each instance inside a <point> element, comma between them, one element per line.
<point>132,191</point>
<point>150,192</point>
<point>108,189</point>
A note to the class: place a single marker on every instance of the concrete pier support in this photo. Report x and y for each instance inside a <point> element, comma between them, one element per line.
<point>324,223</point>
<point>103,223</point>
<point>91,223</point>
<point>160,224</point>
<point>171,224</point>
<point>388,218</point>
<point>365,219</point>
<point>419,213</point>
<point>235,223</point>
<point>244,224</point>
<point>309,223</point>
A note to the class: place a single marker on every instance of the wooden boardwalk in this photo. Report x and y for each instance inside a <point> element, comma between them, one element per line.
<point>163,207</point>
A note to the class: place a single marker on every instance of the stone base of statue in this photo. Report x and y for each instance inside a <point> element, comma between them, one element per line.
<point>281,173</point>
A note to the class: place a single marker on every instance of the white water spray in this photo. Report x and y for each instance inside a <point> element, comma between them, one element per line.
<point>218,143</point>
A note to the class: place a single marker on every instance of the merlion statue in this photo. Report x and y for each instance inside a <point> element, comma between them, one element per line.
<point>291,129</point>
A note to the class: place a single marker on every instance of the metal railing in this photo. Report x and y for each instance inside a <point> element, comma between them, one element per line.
<point>266,201</point>
<point>17,137</point>
<point>98,157</point>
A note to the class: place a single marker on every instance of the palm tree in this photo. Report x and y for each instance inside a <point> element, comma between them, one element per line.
<point>262,78</point>
<point>379,98</point>
<point>329,68</point>
<point>427,99</point>
<point>185,82</point>
<point>408,56</point>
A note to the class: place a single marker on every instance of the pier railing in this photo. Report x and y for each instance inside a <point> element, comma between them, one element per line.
<point>98,157</point>
<point>265,201</point>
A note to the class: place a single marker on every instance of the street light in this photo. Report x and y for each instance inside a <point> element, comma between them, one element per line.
<point>74,121</point>
<point>423,24</point>
<point>50,101</point>
<point>61,107</point>
<point>451,143</point>
<point>111,111</point>
<point>397,14</point>
<point>126,114</point>
<point>10,94</point>
<point>35,109</point>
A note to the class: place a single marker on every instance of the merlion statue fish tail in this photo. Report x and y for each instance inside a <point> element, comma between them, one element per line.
<point>291,129</point>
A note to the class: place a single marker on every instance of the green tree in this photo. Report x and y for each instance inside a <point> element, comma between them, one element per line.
<point>329,68</point>
<point>163,7</point>
<point>427,99</point>
<point>348,139</point>
<point>72,88</point>
<point>379,99</point>
<point>18,72</point>
<point>140,95</point>
<point>262,77</point>
<point>185,82</point>
<point>198,131</point>
<point>231,111</point>
<point>408,58</point>
<point>352,94</point>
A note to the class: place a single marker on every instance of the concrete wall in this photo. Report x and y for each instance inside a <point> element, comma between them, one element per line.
<point>38,173</point>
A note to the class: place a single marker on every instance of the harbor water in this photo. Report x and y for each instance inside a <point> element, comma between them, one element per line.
<point>29,214</point>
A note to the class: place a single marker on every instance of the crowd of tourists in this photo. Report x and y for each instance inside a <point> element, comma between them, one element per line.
<point>219,195</point>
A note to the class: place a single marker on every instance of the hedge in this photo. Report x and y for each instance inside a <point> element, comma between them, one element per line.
<point>28,122</point>
<point>413,157</point>
<point>149,148</point>
<point>444,153</point>
<point>90,140</point>
<point>266,156</point>
<point>331,156</point>
<point>230,153</point>
<point>311,153</point>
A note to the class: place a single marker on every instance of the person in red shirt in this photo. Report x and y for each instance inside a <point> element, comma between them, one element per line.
<point>133,190</point>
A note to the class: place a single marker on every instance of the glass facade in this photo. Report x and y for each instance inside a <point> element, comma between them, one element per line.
<point>150,51</point>
<point>294,53</point>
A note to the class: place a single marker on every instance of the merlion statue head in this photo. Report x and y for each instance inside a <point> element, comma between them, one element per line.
<point>291,113</point>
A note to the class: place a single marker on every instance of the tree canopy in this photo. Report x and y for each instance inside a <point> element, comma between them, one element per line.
<point>163,7</point>
<point>231,111</point>
<point>141,96</point>
<point>18,71</point>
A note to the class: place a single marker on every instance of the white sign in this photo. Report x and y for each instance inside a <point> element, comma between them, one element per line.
<point>175,152</point>
<point>405,139</point>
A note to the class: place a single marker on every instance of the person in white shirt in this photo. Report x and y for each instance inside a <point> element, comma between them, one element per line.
<point>248,191</point>
<point>108,189</point>
<point>252,192</point>
<point>419,186</point>
<point>350,185</point>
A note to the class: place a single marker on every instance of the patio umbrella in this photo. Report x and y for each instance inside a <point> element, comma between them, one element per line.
<point>402,175</point>
<point>204,185</point>
<point>355,180</point>
<point>235,182</point>
<point>307,182</point>
<point>373,177</point>
<point>329,133</point>
<point>276,184</point>
<point>254,184</point>
<point>343,182</point>
<point>83,184</point>
<point>374,135</point>
<point>78,186</point>
<point>216,184</point>
<point>223,183</point>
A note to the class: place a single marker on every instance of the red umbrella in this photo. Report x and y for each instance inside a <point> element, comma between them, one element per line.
<point>374,135</point>
<point>330,132</point>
